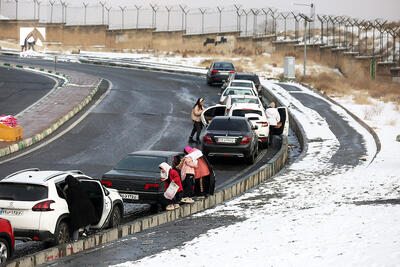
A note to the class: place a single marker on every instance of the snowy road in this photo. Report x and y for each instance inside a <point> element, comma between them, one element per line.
<point>305,216</point>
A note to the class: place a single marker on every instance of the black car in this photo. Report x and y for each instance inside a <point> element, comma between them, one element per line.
<point>219,72</point>
<point>137,176</point>
<point>243,76</point>
<point>230,137</point>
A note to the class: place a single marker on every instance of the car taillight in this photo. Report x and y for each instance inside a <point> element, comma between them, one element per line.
<point>43,206</point>
<point>106,183</point>
<point>232,71</point>
<point>245,140</point>
<point>214,71</point>
<point>207,139</point>
<point>264,123</point>
<point>147,186</point>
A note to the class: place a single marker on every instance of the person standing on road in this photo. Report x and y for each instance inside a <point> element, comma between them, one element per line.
<point>187,166</point>
<point>168,176</point>
<point>201,172</point>
<point>197,125</point>
<point>81,209</point>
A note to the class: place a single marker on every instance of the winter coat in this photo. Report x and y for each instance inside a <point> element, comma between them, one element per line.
<point>187,167</point>
<point>173,176</point>
<point>196,113</point>
<point>81,209</point>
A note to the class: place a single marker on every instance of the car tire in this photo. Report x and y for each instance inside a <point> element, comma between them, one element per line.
<point>250,160</point>
<point>5,251</point>
<point>62,234</point>
<point>116,217</point>
<point>155,208</point>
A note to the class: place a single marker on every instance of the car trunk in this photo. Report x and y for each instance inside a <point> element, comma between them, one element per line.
<point>226,138</point>
<point>19,213</point>
<point>139,181</point>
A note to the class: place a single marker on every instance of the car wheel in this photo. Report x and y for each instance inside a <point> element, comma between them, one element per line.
<point>209,82</point>
<point>116,217</point>
<point>62,234</point>
<point>250,160</point>
<point>155,208</point>
<point>4,251</point>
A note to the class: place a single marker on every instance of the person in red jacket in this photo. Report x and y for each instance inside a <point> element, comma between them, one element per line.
<point>169,175</point>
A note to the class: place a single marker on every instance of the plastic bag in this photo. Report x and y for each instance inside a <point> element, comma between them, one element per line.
<point>171,191</point>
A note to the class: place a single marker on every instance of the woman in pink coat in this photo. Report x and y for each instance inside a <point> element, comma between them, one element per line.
<point>199,175</point>
<point>187,167</point>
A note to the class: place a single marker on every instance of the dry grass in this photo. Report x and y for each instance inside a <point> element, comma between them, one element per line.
<point>372,111</point>
<point>392,122</point>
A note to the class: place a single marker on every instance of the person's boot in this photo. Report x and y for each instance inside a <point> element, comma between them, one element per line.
<point>191,139</point>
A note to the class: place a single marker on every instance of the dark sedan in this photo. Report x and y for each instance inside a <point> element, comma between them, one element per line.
<point>230,137</point>
<point>219,72</point>
<point>137,176</point>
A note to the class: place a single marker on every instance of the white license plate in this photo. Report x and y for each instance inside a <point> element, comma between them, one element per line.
<point>224,73</point>
<point>226,140</point>
<point>130,196</point>
<point>11,212</point>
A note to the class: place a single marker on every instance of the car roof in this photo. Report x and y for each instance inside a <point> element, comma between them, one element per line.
<point>155,153</point>
<point>247,106</point>
<point>229,118</point>
<point>238,87</point>
<point>38,177</point>
<point>243,96</point>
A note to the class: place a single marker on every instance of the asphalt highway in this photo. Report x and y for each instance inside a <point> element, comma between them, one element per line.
<point>19,89</point>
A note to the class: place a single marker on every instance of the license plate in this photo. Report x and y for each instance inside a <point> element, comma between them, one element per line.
<point>11,212</point>
<point>224,73</point>
<point>226,140</point>
<point>130,196</point>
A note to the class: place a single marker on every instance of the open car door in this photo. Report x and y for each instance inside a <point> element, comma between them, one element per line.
<point>283,112</point>
<point>211,112</point>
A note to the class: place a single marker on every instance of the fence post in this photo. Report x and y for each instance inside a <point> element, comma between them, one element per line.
<point>220,9</point>
<point>122,11</point>
<point>255,13</point>
<point>137,16</point>
<point>108,15</point>
<point>202,11</point>
<point>238,14</point>
<point>102,11</point>
<point>169,11</point>
<point>85,6</point>
<point>266,20</point>
<point>154,16</point>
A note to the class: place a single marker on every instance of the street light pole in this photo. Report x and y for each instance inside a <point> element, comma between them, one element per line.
<point>306,19</point>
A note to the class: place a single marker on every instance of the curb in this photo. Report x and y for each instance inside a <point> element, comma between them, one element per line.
<point>40,136</point>
<point>275,165</point>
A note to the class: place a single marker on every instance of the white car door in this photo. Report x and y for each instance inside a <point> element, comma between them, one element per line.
<point>283,110</point>
<point>211,112</point>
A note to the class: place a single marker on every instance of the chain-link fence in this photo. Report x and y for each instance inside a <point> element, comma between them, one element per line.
<point>378,38</point>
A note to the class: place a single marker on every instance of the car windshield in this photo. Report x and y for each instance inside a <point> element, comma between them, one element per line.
<point>223,65</point>
<point>22,192</point>
<point>232,91</point>
<point>245,100</point>
<point>241,84</point>
<point>242,112</point>
<point>228,125</point>
<point>140,163</point>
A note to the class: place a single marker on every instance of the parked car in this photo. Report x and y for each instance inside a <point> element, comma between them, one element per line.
<point>34,202</point>
<point>218,72</point>
<point>137,176</point>
<point>236,91</point>
<point>243,84</point>
<point>244,76</point>
<point>244,99</point>
<point>7,241</point>
<point>230,137</point>
<point>255,113</point>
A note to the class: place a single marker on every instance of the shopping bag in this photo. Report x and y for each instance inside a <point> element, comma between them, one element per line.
<point>171,190</point>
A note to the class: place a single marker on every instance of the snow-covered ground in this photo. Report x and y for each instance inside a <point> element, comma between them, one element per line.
<point>313,214</point>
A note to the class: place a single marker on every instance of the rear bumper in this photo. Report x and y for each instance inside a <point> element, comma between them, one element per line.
<point>213,150</point>
<point>34,235</point>
<point>144,197</point>
<point>218,78</point>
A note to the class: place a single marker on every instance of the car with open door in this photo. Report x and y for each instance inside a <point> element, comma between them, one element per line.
<point>35,204</point>
<point>137,176</point>
<point>255,113</point>
<point>282,129</point>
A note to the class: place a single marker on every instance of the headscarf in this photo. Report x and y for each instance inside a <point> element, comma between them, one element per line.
<point>195,154</point>
<point>188,149</point>
<point>166,168</point>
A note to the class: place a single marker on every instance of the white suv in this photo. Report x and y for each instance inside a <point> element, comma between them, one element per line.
<point>34,202</point>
